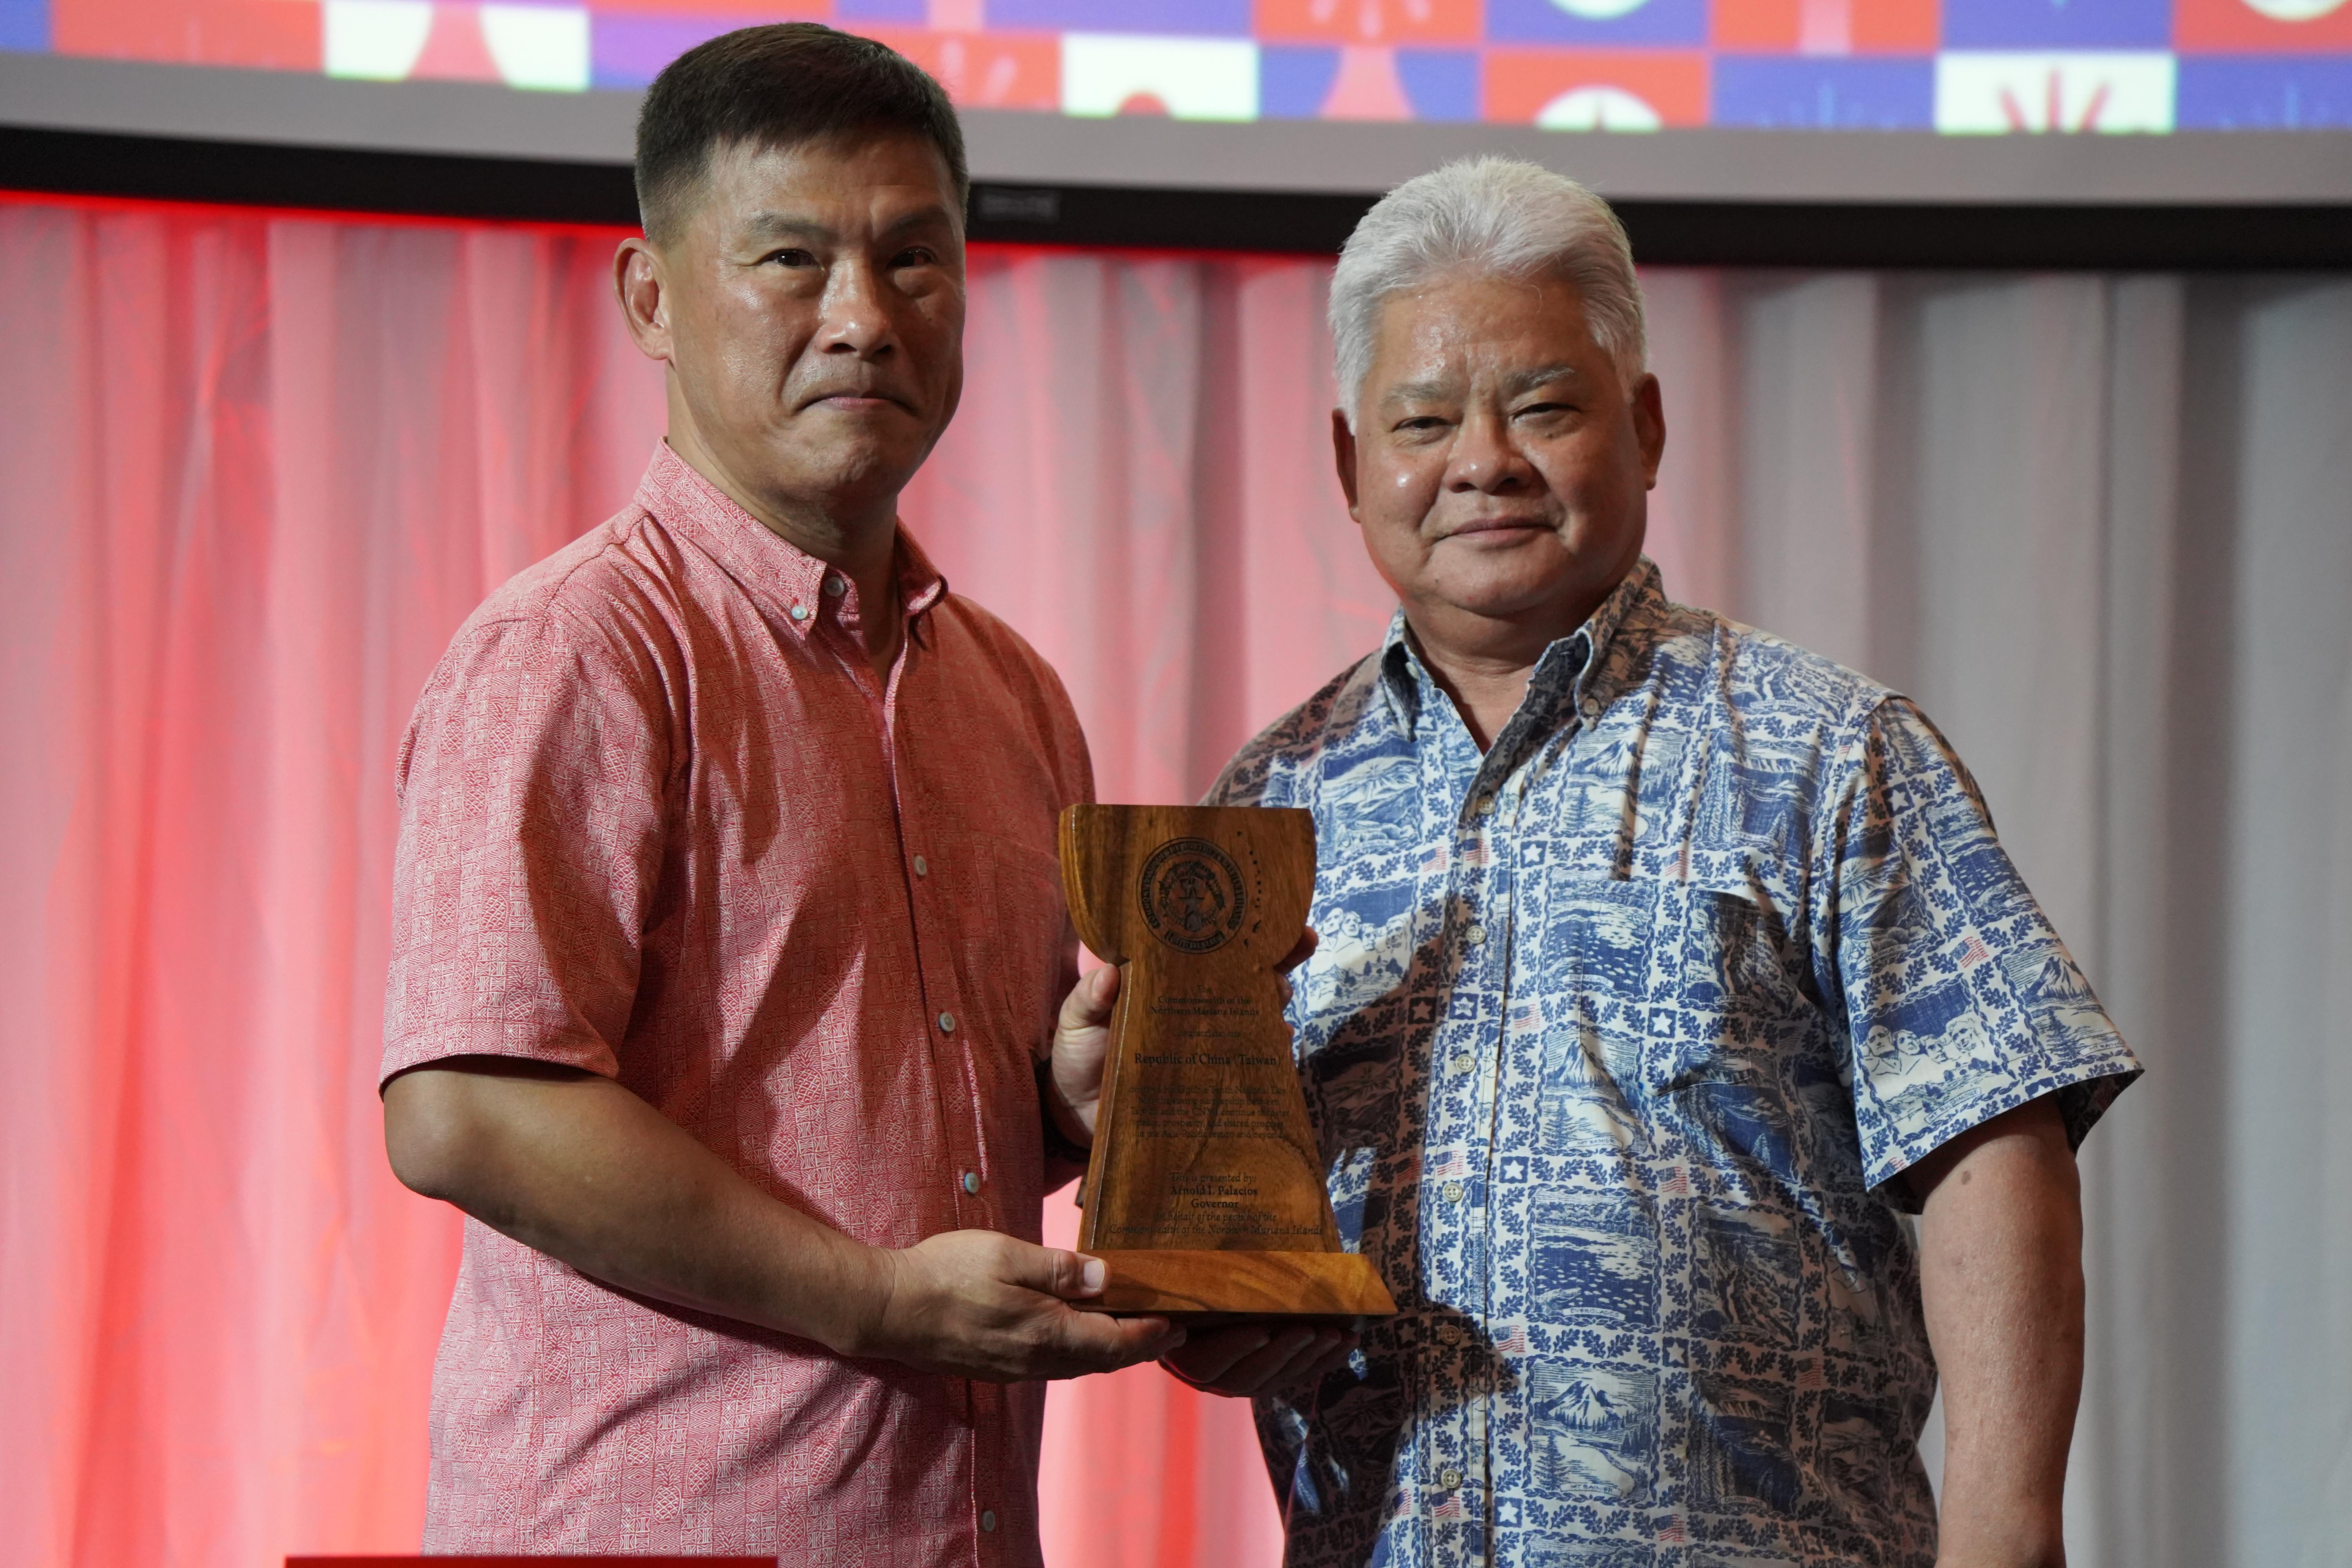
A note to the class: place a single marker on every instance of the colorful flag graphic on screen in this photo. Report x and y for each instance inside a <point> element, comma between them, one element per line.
<point>1962,67</point>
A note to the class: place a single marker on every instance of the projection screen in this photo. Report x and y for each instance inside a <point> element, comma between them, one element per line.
<point>1965,100</point>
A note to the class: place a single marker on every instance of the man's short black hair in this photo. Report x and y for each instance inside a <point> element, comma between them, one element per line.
<point>777,86</point>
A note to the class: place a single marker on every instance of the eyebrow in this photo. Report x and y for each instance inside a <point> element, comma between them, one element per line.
<point>1526,381</point>
<point>1419,392</point>
<point>1513,385</point>
<point>775,225</point>
<point>767,225</point>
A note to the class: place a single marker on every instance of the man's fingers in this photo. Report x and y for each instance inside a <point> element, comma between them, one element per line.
<point>1271,1366</point>
<point>1324,1351</point>
<point>1103,1344</point>
<point>1088,1004</point>
<point>1326,1363</point>
<point>1300,951</point>
<point>1209,1358</point>
<point>1262,1358</point>
<point>1274,1361</point>
<point>1049,1270</point>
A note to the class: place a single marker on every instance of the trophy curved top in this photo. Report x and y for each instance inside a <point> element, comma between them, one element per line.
<point>1179,882</point>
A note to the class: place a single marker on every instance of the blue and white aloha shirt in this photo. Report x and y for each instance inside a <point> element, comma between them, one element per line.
<point>1620,1039</point>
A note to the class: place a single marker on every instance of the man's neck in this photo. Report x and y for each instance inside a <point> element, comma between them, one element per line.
<point>860,541</point>
<point>1484,662</point>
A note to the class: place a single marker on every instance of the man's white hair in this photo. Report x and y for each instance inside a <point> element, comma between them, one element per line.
<point>1491,217</point>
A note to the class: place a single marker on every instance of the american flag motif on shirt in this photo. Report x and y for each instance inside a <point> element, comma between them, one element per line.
<point>1619,1041</point>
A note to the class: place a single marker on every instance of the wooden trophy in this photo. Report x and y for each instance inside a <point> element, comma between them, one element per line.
<point>1204,1194</point>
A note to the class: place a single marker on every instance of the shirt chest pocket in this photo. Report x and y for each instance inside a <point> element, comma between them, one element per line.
<point>1649,987</point>
<point>1735,1055</point>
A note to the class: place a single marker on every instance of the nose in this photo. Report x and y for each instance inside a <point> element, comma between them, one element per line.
<point>1484,459</point>
<point>857,319</point>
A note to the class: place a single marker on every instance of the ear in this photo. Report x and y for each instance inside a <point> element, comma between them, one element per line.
<point>641,282</point>
<point>1343,454</point>
<point>1650,428</point>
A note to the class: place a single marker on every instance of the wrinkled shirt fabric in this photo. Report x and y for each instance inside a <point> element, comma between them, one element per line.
<point>1619,1042</point>
<point>661,821</point>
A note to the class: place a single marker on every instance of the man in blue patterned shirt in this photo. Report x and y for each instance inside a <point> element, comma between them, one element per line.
<point>1667,971</point>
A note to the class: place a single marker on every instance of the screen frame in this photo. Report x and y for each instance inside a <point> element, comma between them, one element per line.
<point>250,139</point>
<point>471,120</point>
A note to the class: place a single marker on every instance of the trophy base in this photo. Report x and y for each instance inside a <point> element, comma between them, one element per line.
<point>1193,1285</point>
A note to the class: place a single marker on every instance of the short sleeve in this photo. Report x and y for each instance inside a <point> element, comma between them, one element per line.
<point>1960,1000</point>
<point>531,789</point>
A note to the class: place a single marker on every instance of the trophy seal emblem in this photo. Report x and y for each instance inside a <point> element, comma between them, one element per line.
<point>1191,895</point>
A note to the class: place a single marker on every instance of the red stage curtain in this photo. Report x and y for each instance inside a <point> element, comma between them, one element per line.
<point>254,469</point>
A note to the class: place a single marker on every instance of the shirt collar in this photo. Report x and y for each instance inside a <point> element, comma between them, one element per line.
<point>785,579</point>
<point>1576,668</point>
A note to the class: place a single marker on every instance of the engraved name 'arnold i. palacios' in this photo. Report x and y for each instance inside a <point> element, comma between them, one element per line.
<point>1191,895</point>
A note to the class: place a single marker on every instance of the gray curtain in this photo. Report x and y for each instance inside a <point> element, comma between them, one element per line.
<point>2102,529</point>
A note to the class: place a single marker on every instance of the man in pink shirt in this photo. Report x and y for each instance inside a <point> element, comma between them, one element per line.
<point>728,936</point>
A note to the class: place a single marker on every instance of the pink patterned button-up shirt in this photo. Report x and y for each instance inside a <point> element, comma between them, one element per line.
<point>660,821</point>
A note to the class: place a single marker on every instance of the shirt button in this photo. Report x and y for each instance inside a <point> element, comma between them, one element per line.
<point>799,611</point>
<point>971,1181</point>
<point>988,1519</point>
<point>835,587</point>
<point>1451,1475</point>
<point>922,866</point>
<point>947,1023</point>
<point>1486,806</point>
<point>1453,1191</point>
<point>1450,1332</point>
<point>1476,934</point>
<point>1463,1061</point>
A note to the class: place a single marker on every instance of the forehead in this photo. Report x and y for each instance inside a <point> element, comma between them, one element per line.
<point>1466,326</point>
<point>878,179</point>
